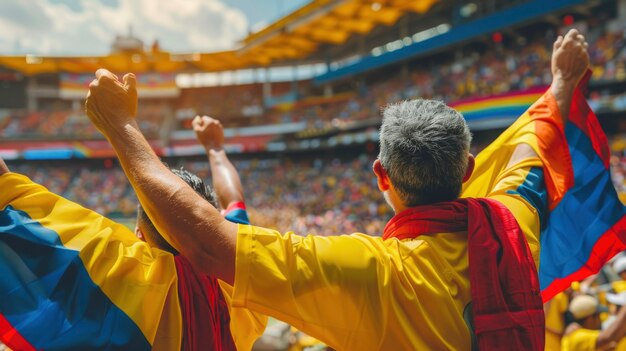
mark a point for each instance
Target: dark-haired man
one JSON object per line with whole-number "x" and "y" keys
{"x": 227, "y": 194}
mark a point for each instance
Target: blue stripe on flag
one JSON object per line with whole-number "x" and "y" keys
{"x": 48, "y": 296}
{"x": 587, "y": 211}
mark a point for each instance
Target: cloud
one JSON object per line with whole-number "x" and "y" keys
{"x": 89, "y": 27}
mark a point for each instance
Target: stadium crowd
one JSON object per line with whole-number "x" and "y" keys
{"x": 502, "y": 67}
{"x": 73, "y": 124}
{"x": 325, "y": 196}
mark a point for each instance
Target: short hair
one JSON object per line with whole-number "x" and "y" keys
{"x": 423, "y": 148}
{"x": 196, "y": 184}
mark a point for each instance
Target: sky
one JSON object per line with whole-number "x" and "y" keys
{"x": 88, "y": 27}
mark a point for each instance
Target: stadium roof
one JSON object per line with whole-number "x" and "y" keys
{"x": 292, "y": 38}
{"x": 515, "y": 15}
{"x": 300, "y": 33}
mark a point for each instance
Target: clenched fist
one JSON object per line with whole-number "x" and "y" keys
{"x": 111, "y": 103}
{"x": 570, "y": 59}
{"x": 209, "y": 132}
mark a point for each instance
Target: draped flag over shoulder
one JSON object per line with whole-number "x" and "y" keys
{"x": 72, "y": 279}
{"x": 583, "y": 223}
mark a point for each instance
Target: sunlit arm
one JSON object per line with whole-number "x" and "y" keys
{"x": 226, "y": 181}
{"x": 210, "y": 133}
{"x": 191, "y": 224}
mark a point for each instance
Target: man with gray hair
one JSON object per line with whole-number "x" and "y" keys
{"x": 416, "y": 288}
{"x": 424, "y": 147}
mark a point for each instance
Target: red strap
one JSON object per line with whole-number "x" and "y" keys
{"x": 506, "y": 302}
{"x": 204, "y": 311}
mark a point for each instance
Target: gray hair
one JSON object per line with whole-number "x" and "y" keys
{"x": 423, "y": 148}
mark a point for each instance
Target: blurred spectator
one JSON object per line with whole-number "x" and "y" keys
{"x": 583, "y": 334}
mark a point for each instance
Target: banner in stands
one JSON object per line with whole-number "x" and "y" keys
{"x": 497, "y": 111}
{"x": 63, "y": 150}
{"x": 149, "y": 85}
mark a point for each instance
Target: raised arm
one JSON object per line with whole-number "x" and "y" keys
{"x": 226, "y": 182}
{"x": 194, "y": 227}
{"x": 570, "y": 61}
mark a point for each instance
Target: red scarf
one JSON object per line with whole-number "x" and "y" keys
{"x": 206, "y": 321}
{"x": 506, "y": 301}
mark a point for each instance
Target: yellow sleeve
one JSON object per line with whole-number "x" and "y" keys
{"x": 322, "y": 285}
{"x": 521, "y": 189}
{"x": 352, "y": 292}
{"x": 245, "y": 326}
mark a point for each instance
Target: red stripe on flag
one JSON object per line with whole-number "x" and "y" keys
{"x": 581, "y": 115}
{"x": 612, "y": 242}
{"x": 12, "y": 338}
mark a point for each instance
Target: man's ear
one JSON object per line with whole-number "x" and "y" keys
{"x": 381, "y": 176}
{"x": 471, "y": 163}
{"x": 3, "y": 167}
{"x": 139, "y": 234}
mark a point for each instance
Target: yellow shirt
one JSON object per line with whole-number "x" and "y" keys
{"x": 555, "y": 322}
{"x": 245, "y": 325}
{"x": 580, "y": 340}
{"x": 357, "y": 292}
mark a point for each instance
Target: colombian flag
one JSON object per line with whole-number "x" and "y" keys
{"x": 71, "y": 279}
{"x": 583, "y": 223}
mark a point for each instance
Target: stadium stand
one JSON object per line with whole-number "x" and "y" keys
{"x": 498, "y": 69}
